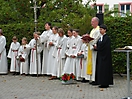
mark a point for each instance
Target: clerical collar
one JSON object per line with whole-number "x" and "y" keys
{"x": 103, "y": 34}
{"x": 101, "y": 37}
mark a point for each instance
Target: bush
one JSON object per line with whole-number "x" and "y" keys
{"x": 120, "y": 32}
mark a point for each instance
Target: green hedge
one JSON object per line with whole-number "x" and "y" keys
{"x": 120, "y": 32}
{"x": 19, "y": 30}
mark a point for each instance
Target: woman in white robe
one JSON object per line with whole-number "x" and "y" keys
{"x": 12, "y": 54}
{"x": 51, "y": 67}
{"x": 3, "y": 57}
{"x": 59, "y": 52}
{"x": 23, "y": 52}
{"x": 33, "y": 60}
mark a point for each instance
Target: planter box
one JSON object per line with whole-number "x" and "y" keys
{"x": 67, "y": 82}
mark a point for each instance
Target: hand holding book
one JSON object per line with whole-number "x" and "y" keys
{"x": 87, "y": 38}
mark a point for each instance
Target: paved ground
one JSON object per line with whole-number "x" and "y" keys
{"x": 27, "y": 87}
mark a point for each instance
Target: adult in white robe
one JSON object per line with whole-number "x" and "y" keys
{"x": 3, "y": 57}
{"x": 24, "y": 52}
{"x": 12, "y": 54}
{"x": 92, "y": 54}
{"x": 59, "y": 52}
{"x": 33, "y": 60}
{"x": 51, "y": 68}
{"x": 43, "y": 39}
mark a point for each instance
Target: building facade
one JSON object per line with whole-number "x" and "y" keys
{"x": 123, "y": 7}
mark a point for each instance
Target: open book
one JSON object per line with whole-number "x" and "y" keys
{"x": 126, "y": 48}
{"x": 87, "y": 38}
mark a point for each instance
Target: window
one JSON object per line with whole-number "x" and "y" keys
{"x": 116, "y": 8}
{"x": 125, "y": 8}
{"x": 122, "y": 7}
{"x": 128, "y": 7}
{"x": 106, "y": 8}
{"x": 100, "y": 9}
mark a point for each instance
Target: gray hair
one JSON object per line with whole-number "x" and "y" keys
{"x": 96, "y": 18}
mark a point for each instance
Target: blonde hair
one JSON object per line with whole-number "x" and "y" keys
{"x": 14, "y": 38}
{"x": 37, "y": 33}
{"x": 25, "y": 39}
{"x": 60, "y": 30}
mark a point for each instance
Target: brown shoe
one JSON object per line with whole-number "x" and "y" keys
{"x": 53, "y": 77}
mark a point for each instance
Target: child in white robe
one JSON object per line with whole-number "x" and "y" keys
{"x": 34, "y": 66}
{"x": 23, "y": 53}
{"x": 82, "y": 55}
{"x": 69, "y": 63}
{"x": 76, "y": 48}
{"x": 12, "y": 54}
{"x": 59, "y": 52}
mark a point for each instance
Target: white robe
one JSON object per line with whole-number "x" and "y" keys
{"x": 51, "y": 67}
{"x": 13, "y": 53}
{"x": 77, "y": 44}
{"x": 24, "y": 66}
{"x": 43, "y": 39}
{"x": 3, "y": 57}
{"x": 33, "y": 64}
{"x": 59, "y": 54}
{"x": 95, "y": 33}
{"x": 82, "y": 62}
{"x": 69, "y": 66}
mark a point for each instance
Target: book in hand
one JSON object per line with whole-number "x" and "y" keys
{"x": 125, "y": 48}
{"x": 87, "y": 38}
{"x": 80, "y": 56}
{"x": 22, "y": 59}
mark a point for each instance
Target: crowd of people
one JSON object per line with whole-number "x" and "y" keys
{"x": 89, "y": 61}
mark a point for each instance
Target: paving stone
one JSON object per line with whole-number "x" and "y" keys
{"x": 28, "y": 87}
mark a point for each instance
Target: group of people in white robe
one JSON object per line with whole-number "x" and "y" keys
{"x": 61, "y": 54}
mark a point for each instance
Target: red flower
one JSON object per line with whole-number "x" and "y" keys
{"x": 67, "y": 77}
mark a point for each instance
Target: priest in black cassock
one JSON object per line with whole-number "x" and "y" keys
{"x": 104, "y": 71}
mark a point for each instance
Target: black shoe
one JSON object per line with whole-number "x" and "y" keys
{"x": 34, "y": 75}
{"x": 93, "y": 83}
{"x": 84, "y": 81}
{"x": 14, "y": 74}
{"x": 26, "y": 74}
{"x": 17, "y": 73}
{"x": 103, "y": 86}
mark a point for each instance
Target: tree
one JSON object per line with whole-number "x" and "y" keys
{"x": 67, "y": 14}
{"x": 63, "y": 13}
{"x": 15, "y": 11}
